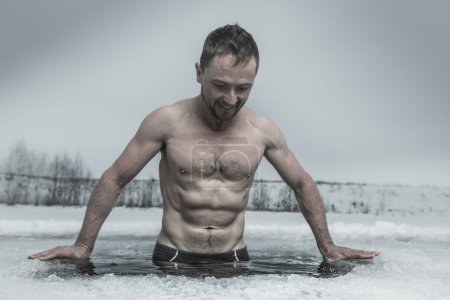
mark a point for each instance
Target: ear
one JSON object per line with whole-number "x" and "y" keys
{"x": 198, "y": 72}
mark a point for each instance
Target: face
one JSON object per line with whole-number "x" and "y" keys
{"x": 225, "y": 87}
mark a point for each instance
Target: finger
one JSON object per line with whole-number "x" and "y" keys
{"x": 37, "y": 255}
{"x": 47, "y": 255}
{"x": 362, "y": 254}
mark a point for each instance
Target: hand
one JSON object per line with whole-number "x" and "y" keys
{"x": 76, "y": 251}
{"x": 336, "y": 252}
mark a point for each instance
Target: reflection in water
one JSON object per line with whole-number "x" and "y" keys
{"x": 262, "y": 265}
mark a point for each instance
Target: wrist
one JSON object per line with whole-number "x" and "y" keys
{"x": 325, "y": 248}
{"x": 86, "y": 248}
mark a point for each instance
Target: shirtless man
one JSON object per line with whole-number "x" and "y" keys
{"x": 211, "y": 146}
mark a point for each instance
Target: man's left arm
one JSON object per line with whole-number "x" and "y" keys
{"x": 308, "y": 197}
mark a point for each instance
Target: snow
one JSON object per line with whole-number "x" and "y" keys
{"x": 413, "y": 264}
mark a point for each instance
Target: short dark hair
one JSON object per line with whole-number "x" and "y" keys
{"x": 229, "y": 39}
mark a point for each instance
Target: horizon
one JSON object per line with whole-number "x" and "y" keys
{"x": 317, "y": 181}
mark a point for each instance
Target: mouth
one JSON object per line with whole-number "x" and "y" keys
{"x": 224, "y": 106}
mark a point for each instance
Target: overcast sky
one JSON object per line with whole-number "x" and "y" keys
{"x": 360, "y": 89}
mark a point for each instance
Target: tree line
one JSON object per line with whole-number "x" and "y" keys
{"x": 29, "y": 177}
{"x": 65, "y": 176}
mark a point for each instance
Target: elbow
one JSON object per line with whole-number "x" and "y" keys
{"x": 302, "y": 184}
{"x": 110, "y": 179}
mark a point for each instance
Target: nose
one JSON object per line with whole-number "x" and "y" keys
{"x": 231, "y": 98}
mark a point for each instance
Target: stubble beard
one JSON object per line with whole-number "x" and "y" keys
{"x": 215, "y": 109}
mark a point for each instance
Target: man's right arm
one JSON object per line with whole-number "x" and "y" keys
{"x": 310, "y": 202}
{"x": 148, "y": 141}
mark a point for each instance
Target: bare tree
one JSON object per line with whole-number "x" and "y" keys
{"x": 79, "y": 176}
{"x": 18, "y": 162}
{"x": 69, "y": 176}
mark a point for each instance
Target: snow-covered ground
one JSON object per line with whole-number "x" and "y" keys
{"x": 413, "y": 264}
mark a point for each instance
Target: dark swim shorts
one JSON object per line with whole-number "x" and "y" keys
{"x": 163, "y": 253}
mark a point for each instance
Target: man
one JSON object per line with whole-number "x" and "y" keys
{"x": 211, "y": 146}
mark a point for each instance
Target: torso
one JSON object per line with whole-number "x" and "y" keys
{"x": 206, "y": 177}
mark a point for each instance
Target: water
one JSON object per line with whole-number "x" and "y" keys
{"x": 285, "y": 263}
{"x": 132, "y": 257}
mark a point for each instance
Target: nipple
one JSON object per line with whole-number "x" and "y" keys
{"x": 183, "y": 171}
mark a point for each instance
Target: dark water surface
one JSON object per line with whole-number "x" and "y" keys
{"x": 101, "y": 265}
{"x": 112, "y": 257}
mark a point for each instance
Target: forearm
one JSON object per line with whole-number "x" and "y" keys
{"x": 311, "y": 205}
{"x": 99, "y": 206}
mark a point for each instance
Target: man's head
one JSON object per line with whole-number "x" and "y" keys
{"x": 229, "y": 40}
{"x": 227, "y": 70}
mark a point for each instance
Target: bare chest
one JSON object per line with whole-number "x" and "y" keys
{"x": 225, "y": 158}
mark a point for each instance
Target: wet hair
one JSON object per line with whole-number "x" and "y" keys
{"x": 229, "y": 39}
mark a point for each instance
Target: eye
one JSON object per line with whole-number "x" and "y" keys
{"x": 219, "y": 86}
{"x": 243, "y": 88}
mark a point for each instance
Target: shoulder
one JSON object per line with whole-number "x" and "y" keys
{"x": 161, "y": 120}
{"x": 167, "y": 113}
{"x": 269, "y": 132}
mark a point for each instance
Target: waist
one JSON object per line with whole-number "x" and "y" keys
{"x": 163, "y": 253}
